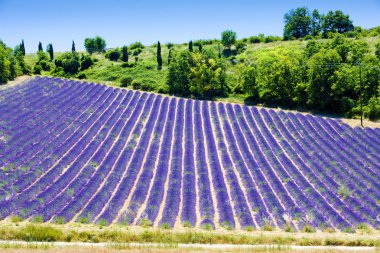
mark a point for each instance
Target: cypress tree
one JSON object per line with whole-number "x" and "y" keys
{"x": 219, "y": 54}
{"x": 191, "y": 46}
{"x": 73, "y": 47}
{"x": 200, "y": 47}
{"x": 40, "y": 46}
{"x": 22, "y": 47}
{"x": 124, "y": 56}
{"x": 170, "y": 56}
{"x": 50, "y": 50}
{"x": 159, "y": 58}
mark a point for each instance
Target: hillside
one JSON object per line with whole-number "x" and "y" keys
{"x": 77, "y": 151}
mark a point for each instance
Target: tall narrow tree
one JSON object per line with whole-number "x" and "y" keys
{"x": 191, "y": 46}
{"x": 50, "y": 50}
{"x": 22, "y": 47}
{"x": 159, "y": 58}
{"x": 200, "y": 47}
{"x": 40, "y": 46}
{"x": 170, "y": 56}
{"x": 73, "y": 47}
{"x": 124, "y": 56}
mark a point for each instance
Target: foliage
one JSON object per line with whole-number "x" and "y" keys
{"x": 124, "y": 54}
{"x": 68, "y": 62}
{"x": 12, "y": 63}
{"x": 336, "y": 21}
{"x": 377, "y": 50}
{"x": 136, "y": 45}
{"x": 197, "y": 74}
{"x": 228, "y": 38}
{"x": 73, "y": 47}
{"x": 40, "y": 47}
{"x": 86, "y": 62}
{"x": 159, "y": 57}
{"x": 191, "y": 46}
{"x": 50, "y": 50}
{"x": 97, "y": 44}
{"x": 297, "y": 23}
{"x": 113, "y": 55}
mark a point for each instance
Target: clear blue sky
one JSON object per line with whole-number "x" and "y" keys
{"x": 122, "y": 22}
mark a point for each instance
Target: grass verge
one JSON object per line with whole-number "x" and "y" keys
{"x": 30, "y": 232}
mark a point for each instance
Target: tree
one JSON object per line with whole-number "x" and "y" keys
{"x": 322, "y": 67}
{"x": 89, "y": 44}
{"x": 191, "y": 46}
{"x": 170, "y": 56}
{"x": 336, "y": 21}
{"x": 22, "y": 47}
{"x": 249, "y": 81}
{"x": 73, "y": 47}
{"x": 377, "y": 50}
{"x": 179, "y": 74}
{"x": 124, "y": 54}
{"x": 159, "y": 57}
{"x": 200, "y": 47}
{"x": 50, "y": 50}
{"x": 316, "y": 22}
{"x": 100, "y": 44}
{"x": 297, "y": 23}
{"x": 40, "y": 46}
{"x": 201, "y": 75}
{"x": 68, "y": 62}
{"x": 228, "y": 38}
{"x": 97, "y": 44}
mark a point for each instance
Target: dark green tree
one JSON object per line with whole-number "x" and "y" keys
{"x": 40, "y": 46}
{"x": 22, "y": 47}
{"x": 124, "y": 54}
{"x": 228, "y": 38}
{"x": 159, "y": 57}
{"x": 191, "y": 46}
{"x": 200, "y": 47}
{"x": 297, "y": 23}
{"x": 50, "y": 50}
{"x": 179, "y": 74}
{"x": 73, "y": 47}
{"x": 97, "y": 44}
{"x": 336, "y": 21}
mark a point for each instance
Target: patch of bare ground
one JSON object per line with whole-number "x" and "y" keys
{"x": 18, "y": 81}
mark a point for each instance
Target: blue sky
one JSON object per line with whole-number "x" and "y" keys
{"x": 122, "y": 22}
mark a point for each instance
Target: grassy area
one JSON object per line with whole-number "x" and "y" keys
{"x": 30, "y": 232}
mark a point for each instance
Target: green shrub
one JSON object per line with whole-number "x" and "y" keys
{"x": 86, "y": 62}
{"x": 136, "y": 45}
{"x": 38, "y": 219}
{"x": 308, "y": 229}
{"x": 102, "y": 223}
{"x": 16, "y": 218}
{"x": 113, "y": 55}
{"x": 145, "y": 223}
{"x": 59, "y": 220}
{"x": 81, "y": 76}
{"x": 126, "y": 81}
{"x": 127, "y": 65}
{"x": 187, "y": 224}
{"x": 165, "y": 225}
{"x": 37, "y": 70}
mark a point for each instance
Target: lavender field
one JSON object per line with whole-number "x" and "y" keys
{"x": 76, "y": 151}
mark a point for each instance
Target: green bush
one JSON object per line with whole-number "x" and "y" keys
{"x": 126, "y": 81}
{"x": 86, "y": 62}
{"x": 113, "y": 55}
{"x": 37, "y": 70}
